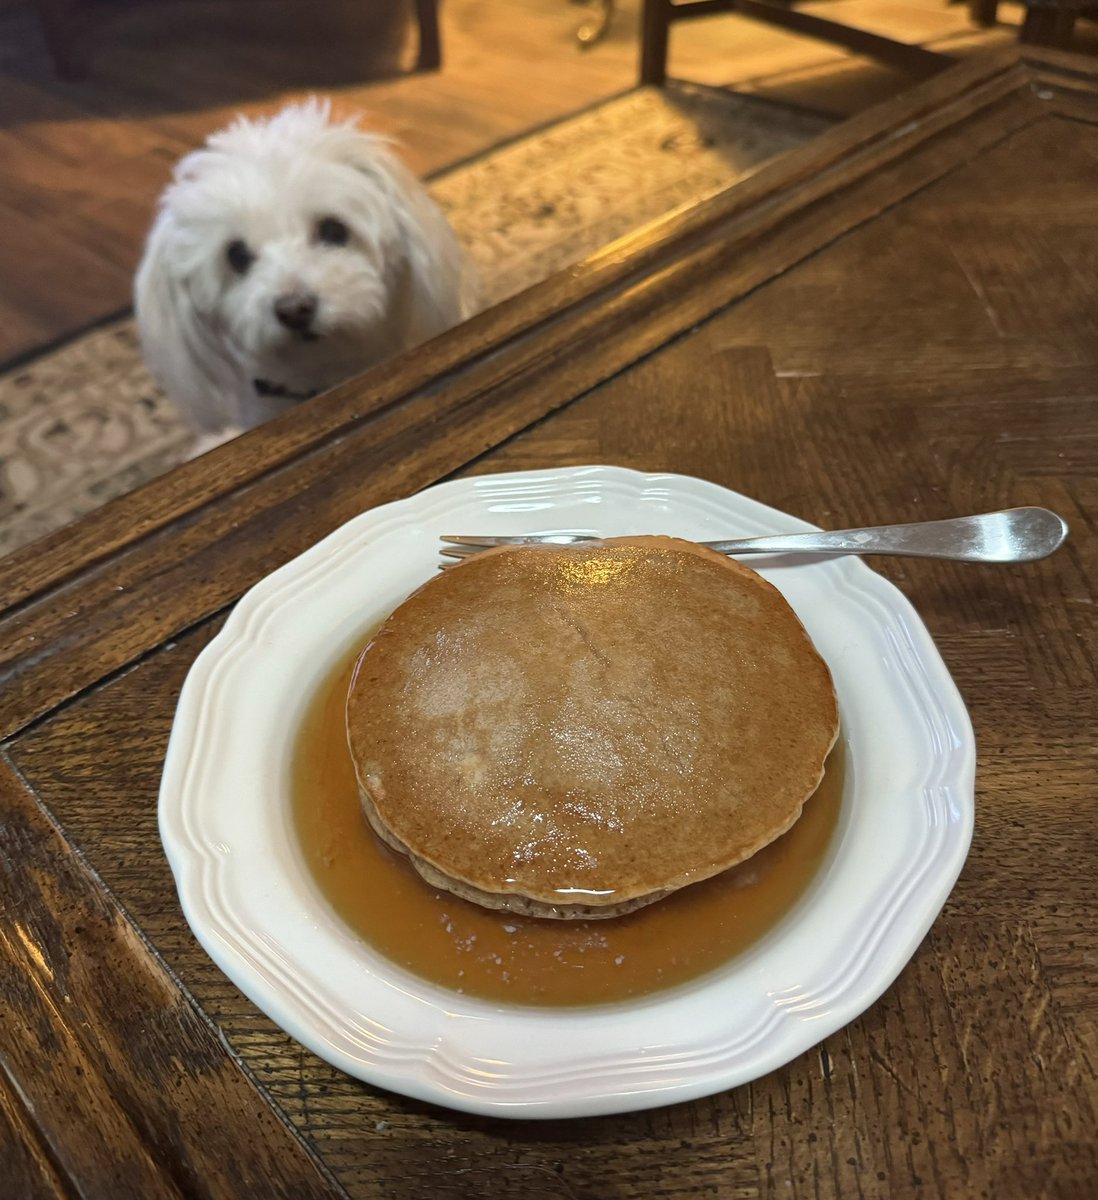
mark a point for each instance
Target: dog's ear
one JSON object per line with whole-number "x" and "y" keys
{"x": 182, "y": 352}
{"x": 442, "y": 280}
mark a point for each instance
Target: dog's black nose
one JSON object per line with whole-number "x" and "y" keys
{"x": 296, "y": 310}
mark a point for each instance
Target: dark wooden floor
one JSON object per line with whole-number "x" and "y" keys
{"x": 82, "y": 163}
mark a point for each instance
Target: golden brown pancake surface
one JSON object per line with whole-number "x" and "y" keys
{"x": 580, "y": 730}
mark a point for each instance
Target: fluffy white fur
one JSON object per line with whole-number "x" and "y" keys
{"x": 210, "y": 331}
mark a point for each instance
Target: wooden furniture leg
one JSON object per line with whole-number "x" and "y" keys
{"x": 655, "y": 23}
{"x": 57, "y": 20}
{"x": 430, "y": 45}
{"x": 1048, "y": 25}
{"x": 984, "y": 12}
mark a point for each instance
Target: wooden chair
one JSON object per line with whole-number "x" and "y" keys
{"x": 658, "y": 15}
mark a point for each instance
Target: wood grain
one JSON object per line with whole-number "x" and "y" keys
{"x": 28, "y": 1171}
{"x": 127, "y": 1088}
{"x": 897, "y": 325}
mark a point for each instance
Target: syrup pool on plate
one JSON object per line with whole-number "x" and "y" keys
{"x": 528, "y": 960}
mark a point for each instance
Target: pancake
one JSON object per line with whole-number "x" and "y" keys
{"x": 577, "y": 731}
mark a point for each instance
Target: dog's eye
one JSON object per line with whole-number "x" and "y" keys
{"x": 239, "y": 256}
{"x": 332, "y": 232}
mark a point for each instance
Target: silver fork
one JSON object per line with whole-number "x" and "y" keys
{"x": 1011, "y": 535}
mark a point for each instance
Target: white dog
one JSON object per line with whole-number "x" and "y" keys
{"x": 289, "y": 254}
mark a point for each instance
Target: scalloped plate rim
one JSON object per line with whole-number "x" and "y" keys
{"x": 857, "y": 993}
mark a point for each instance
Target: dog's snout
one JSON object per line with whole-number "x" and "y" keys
{"x": 296, "y": 310}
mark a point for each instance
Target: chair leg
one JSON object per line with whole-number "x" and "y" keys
{"x": 1064, "y": 27}
{"x": 655, "y": 24}
{"x": 1045, "y": 26}
{"x": 984, "y": 12}
{"x": 430, "y": 45}
{"x": 56, "y": 19}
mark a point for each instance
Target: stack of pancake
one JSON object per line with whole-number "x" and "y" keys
{"x": 578, "y": 731}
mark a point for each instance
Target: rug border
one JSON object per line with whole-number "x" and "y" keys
{"x": 26, "y": 358}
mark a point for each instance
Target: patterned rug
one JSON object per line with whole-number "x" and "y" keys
{"x": 84, "y": 422}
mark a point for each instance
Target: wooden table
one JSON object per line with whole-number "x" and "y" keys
{"x": 899, "y": 321}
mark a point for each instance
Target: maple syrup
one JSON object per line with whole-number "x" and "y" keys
{"x": 528, "y": 960}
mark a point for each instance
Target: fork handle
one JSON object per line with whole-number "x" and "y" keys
{"x": 1012, "y": 535}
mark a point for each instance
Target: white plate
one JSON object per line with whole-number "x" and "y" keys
{"x": 904, "y": 829}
